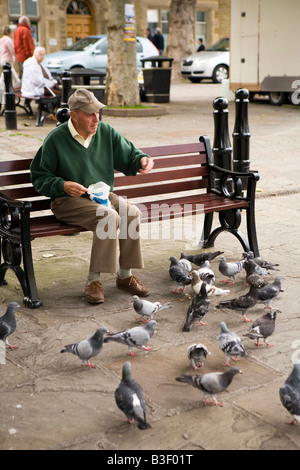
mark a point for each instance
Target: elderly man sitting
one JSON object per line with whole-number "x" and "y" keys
{"x": 37, "y": 79}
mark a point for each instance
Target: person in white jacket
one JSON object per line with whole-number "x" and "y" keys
{"x": 37, "y": 79}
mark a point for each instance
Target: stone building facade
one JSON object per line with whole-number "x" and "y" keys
{"x": 58, "y": 23}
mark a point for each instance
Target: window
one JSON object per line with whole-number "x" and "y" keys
{"x": 200, "y": 26}
{"x": 152, "y": 19}
{"x": 78, "y": 7}
{"x": 23, "y": 7}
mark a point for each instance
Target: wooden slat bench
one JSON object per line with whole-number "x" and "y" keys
{"x": 46, "y": 105}
{"x": 184, "y": 179}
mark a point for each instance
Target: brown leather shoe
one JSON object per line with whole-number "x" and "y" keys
{"x": 133, "y": 285}
{"x": 94, "y": 292}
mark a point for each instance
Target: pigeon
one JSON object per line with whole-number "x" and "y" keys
{"x": 129, "y": 397}
{"x": 230, "y": 269}
{"x": 136, "y": 337}
{"x": 148, "y": 309}
{"x": 257, "y": 268}
{"x": 210, "y": 288}
{"x": 179, "y": 273}
{"x": 241, "y": 303}
{"x": 211, "y": 383}
{"x": 186, "y": 263}
{"x": 267, "y": 293}
{"x": 206, "y": 273}
{"x": 197, "y": 309}
{"x": 8, "y": 324}
{"x": 197, "y": 354}
{"x": 231, "y": 344}
{"x": 263, "y": 327}
{"x": 200, "y": 258}
{"x": 289, "y": 393}
{"x": 253, "y": 275}
{"x": 262, "y": 263}
{"x": 87, "y": 348}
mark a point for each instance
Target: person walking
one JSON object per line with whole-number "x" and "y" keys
{"x": 23, "y": 42}
{"x": 158, "y": 41}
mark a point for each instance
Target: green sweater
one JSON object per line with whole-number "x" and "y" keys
{"x": 61, "y": 158}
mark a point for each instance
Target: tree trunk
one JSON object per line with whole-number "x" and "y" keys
{"x": 181, "y": 40}
{"x": 122, "y": 86}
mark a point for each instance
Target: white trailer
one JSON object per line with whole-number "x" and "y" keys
{"x": 264, "y": 48}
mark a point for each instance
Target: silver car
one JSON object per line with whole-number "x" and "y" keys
{"x": 91, "y": 52}
{"x": 213, "y": 63}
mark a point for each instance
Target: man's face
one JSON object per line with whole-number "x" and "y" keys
{"x": 84, "y": 123}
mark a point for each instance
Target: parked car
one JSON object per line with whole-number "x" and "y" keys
{"x": 213, "y": 63}
{"x": 91, "y": 52}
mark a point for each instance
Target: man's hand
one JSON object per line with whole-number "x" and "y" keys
{"x": 147, "y": 164}
{"x": 74, "y": 189}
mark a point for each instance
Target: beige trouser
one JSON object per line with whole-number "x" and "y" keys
{"x": 120, "y": 223}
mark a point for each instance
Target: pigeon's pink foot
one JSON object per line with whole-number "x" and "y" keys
{"x": 147, "y": 348}
{"x": 246, "y": 319}
{"x": 218, "y": 403}
{"x": 291, "y": 422}
{"x": 12, "y": 346}
{"x": 268, "y": 344}
{"x": 235, "y": 359}
{"x": 90, "y": 366}
{"x": 258, "y": 343}
{"x": 132, "y": 354}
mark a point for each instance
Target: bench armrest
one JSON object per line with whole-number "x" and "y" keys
{"x": 228, "y": 183}
{"x": 14, "y": 218}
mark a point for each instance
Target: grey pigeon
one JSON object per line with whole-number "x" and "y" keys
{"x": 262, "y": 263}
{"x": 289, "y": 393}
{"x": 198, "y": 307}
{"x": 253, "y": 275}
{"x": 148, "y": 309}
{"x": 206, "y": 273}
{"x": 231, "y": 344}
{"x": 263, "y": 327}
{"x": 230, "y": 269}
{"x": 179, "y": 274}
{"x": 136, "y": 337}
{"x": 200, "y": 258}
{"x": 88, "y": 348}
{"x": 8, "y": 324}
{"x": 258, "y": 269}
{"x": 211, "y": 383}
{"x": 186, "y": 263}
{"x": 241, "y": 303}
{"x": 197, "y": 354}
{"x": 129, "y": 397}
{"x": 267, "y": 293}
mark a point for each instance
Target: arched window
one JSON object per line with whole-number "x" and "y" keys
{"x": 77, "y": 7}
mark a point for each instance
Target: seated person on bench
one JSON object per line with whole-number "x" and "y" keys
{"x": 81, "y": 152}
{"x": 37, "y": 79}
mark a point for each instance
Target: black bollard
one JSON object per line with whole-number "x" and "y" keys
{"x": 10, "y": 107}
{"x": 62, "y": 115}
{"x": 66, "y": 89}
{"x": 221, "y": 147}
{"x": 241, "y": 134}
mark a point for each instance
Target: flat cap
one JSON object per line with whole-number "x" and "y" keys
{"x": 85, "y": 100}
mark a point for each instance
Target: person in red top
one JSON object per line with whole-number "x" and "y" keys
{"x": 23, "y": 42}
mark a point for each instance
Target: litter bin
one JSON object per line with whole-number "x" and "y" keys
{"x": 157, "y": 79}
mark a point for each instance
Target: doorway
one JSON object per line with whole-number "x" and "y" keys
{"x": 80, "y": 21}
